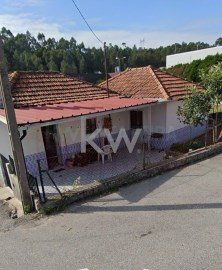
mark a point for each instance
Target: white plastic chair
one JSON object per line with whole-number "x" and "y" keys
{"x": 107, "y": 151}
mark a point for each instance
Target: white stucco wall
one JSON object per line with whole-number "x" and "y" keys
{"x": 188, "y": 57}
{"x": 69, "y": 133}
{"x": 158, "y": 118}
{"x": 161, "y": 118}
{"x": 154, "y": 120}
{"x": 33, "y": 142}
{"x": 172, "y": 121}
{"x": 72, "y": 130}
{"x": 5, "y": 145}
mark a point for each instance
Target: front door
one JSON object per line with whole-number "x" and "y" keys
{"x": 49, "y": 134}
{"x": 136, "y": 119}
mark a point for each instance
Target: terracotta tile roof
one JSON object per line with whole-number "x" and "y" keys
{"x": 147, "y": 82}
{"x": 40, "y": 88}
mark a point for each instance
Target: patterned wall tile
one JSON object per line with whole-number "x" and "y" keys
{"x": 31, "y": 163}
{"x": 177, "y": 136}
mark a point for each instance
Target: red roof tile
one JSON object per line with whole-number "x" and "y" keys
{"x": 147, "y": 82}
{"x": 36, "y": 114}
{"x": 40, "y": 88}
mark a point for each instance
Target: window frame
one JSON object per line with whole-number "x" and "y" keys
{"x": 136, "y": 120}
{"x": 91, "y": 125}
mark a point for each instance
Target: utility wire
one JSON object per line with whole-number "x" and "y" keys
{"x": 104, "y": 43}
{"x": 86, "y": 22}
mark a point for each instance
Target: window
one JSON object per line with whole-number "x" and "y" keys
{"x": 90, "y": 125}
{"x": 136, "y": 119}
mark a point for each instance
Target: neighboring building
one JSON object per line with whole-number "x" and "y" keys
{"x": 169, "y": 90}
{"x": 188, "y": 57}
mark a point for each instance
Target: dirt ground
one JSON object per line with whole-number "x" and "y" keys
{"x": 6, "y": 223}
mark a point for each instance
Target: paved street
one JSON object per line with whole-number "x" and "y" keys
{"x": 173, "y": 221}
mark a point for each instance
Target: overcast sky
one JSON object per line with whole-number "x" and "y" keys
{"x": 159, "y": 22}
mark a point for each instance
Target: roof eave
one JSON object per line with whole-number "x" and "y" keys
{"x": 26, "y": 126}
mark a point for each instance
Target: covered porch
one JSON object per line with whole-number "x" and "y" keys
{"x": 68, "y": 179}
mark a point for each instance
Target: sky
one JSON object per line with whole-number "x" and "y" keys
{"x": 146, "y": 23}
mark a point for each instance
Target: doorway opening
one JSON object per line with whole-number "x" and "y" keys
{"x": 50, "y": 139}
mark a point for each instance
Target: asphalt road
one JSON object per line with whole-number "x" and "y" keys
{"x": 173, "y": 221}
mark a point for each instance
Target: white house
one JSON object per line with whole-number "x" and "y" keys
{"x": 50, "y": 108}
{"x": 169, "y": 90}
{"x": 53, "y": 109}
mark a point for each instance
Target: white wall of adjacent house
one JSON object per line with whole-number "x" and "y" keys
{"x": 188, "y": 57}
{"x": 172, "y": 121}
{"x": 158, "y": 118}
{"x": 33, "y": 142}
{"x": 5, "y": 145}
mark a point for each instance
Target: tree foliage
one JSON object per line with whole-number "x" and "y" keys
{"x": 193, "y": 70}
{"x": 195, "y": 107}
{"x": 26, "y": 52}
{"x": 211, "y": 79}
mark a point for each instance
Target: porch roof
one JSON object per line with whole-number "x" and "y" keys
{"x": 46, "y": 113}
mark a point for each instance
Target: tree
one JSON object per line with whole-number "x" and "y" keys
{"x": 218, "y": 42}
{"x": 67, "y": 68}
{"x": 91, "y": 60}
{"x": 195, "y": 109}
{"x": 52, "y": 66}
{"x": 41, "y": 38}
{"x": 212, "y": 82}
{"x": 82, "y": 66}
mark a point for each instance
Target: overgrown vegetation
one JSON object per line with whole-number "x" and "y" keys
{"x": 192, "y": 71}
{"x": 195, "y": 108}
{"x": 197, "y": 105}
{"x": 212, "y": 82}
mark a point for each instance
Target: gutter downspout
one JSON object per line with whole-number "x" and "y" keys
{"x": 24, "y": 133}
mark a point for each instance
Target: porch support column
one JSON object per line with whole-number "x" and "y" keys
{"x": 149, "y": 121}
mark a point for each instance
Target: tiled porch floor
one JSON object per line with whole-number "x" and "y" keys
{"x": 122, "y": 162}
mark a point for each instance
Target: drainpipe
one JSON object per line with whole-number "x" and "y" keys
{"x": 24, "y": 133}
